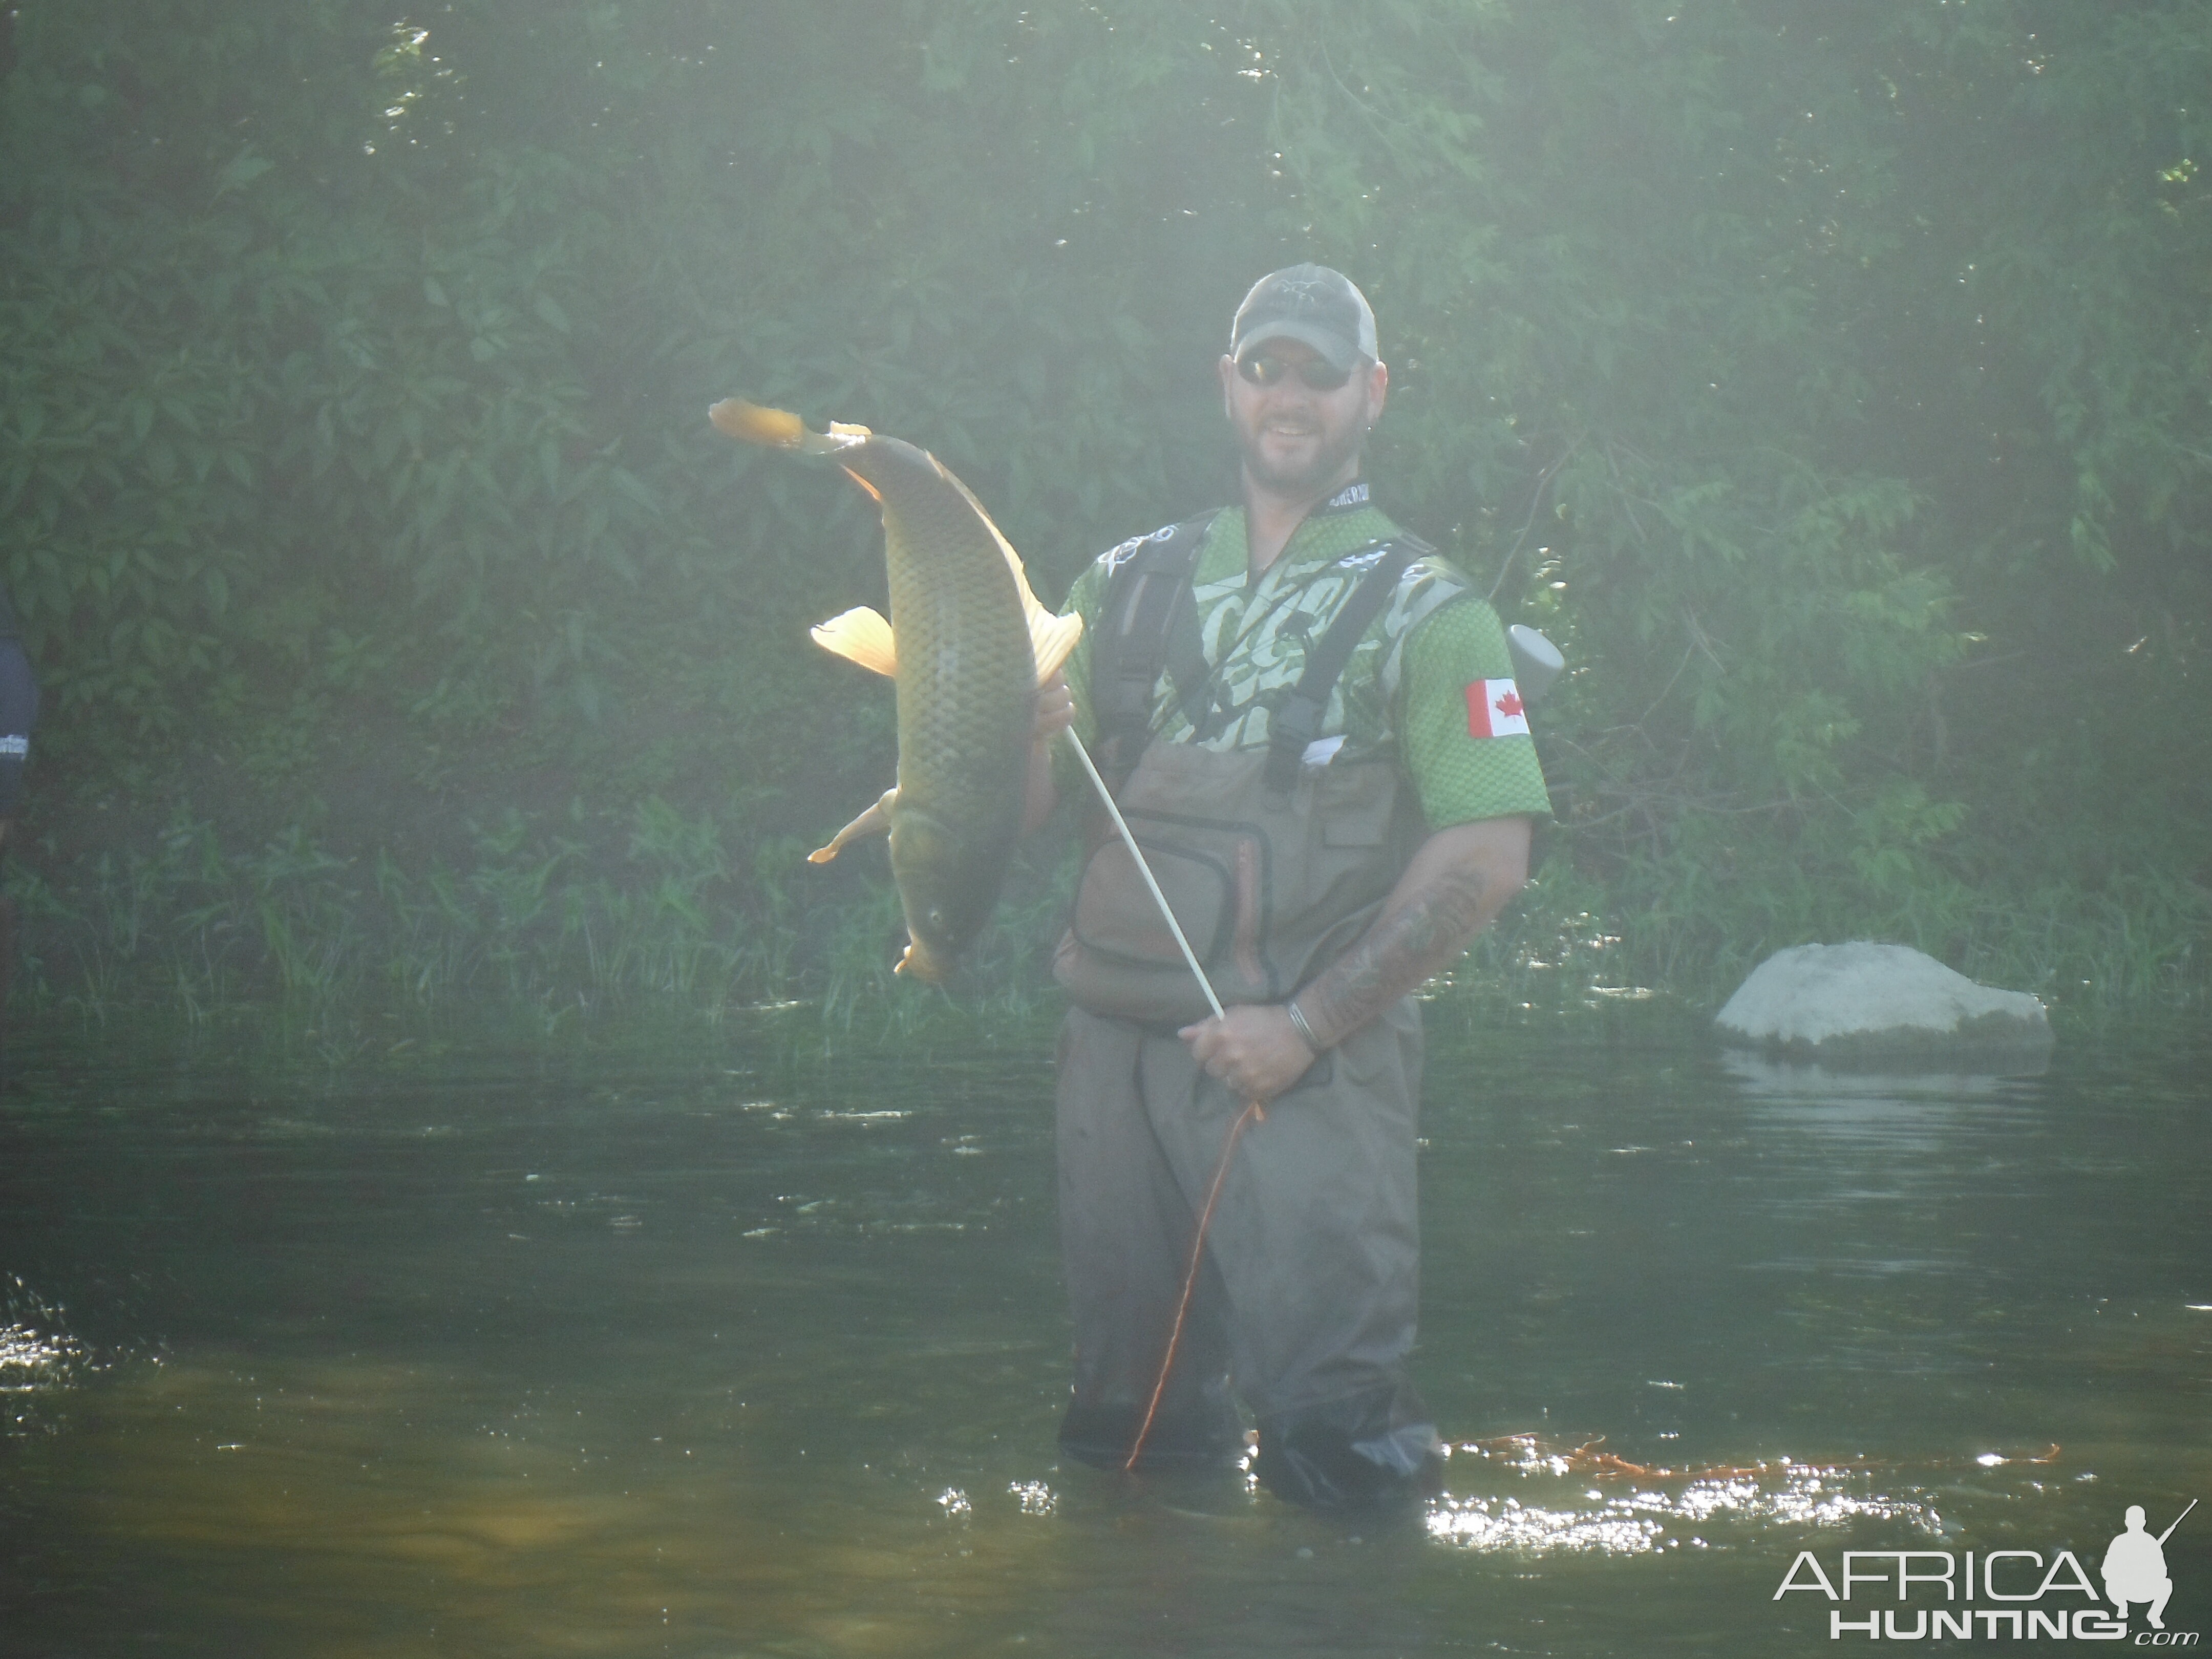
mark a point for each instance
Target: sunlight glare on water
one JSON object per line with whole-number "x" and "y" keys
{"x": 1635, "y": 1523}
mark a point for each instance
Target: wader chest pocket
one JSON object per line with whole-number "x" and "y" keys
{"x": 1362, "y": 819}
{"x": 1267, "y": 891}
{"x": 1213, "y": 890}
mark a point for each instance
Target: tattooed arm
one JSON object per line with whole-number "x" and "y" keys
{"x": 1460, "y": 877}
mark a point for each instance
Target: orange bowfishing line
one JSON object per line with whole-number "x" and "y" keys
{"x": 1251, "y": 1113}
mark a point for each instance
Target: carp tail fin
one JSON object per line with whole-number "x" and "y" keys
{"x": 779, "y": 428}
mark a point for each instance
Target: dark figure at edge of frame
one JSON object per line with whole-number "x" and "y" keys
{"x": 1311, "y": 725}
{"x": 19, "y": 713}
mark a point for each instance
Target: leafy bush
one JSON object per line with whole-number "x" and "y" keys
{"x": 1828, "y": 381}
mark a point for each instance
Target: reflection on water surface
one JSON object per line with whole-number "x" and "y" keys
{"x": 685, "y": 1353}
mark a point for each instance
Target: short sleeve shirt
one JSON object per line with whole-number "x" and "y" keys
{"x": 1419, "y": 688}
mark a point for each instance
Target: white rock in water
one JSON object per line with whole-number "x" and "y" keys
{"x": 1866, "y": 1000}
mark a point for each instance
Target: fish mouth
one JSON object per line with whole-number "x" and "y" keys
{"x": 918, "y": 963}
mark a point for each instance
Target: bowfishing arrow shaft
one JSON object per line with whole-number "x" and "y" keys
{"x": 1145, "y": 870}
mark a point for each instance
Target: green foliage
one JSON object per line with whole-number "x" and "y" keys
{"x": 1828, "y": 381}
{"x": 534, "y": 917}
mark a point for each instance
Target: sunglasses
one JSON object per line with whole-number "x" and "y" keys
{"x": 1316, "y": 374}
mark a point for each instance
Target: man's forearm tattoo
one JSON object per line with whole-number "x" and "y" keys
{"x": 1397, "y": 954}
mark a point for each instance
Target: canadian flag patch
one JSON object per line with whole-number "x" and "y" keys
{"x": 1493, "y": 710}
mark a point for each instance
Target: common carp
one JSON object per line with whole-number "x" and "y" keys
{"x": 967, "y": 645}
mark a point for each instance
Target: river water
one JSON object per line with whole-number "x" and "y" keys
{"x": 675, "y": 1349}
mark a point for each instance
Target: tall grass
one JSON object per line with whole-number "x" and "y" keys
{"x": 536, "y": 919}
{"x": 666, "y": 917}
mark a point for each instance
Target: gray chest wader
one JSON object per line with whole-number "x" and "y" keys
{"x": 1308, "y": 1287}
{"x": 1273, "y": 867}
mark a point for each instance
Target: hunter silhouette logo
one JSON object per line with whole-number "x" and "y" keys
{"x": 2003, "y": 1594}
{"x": 2135, "y": 1566}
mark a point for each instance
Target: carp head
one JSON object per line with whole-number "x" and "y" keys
{"x": 945, "y": 902}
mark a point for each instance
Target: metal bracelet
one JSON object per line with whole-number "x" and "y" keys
{"x": 1298, "y": 1024}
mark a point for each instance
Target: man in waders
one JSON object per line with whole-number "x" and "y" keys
{"x": 1310, "y": 724}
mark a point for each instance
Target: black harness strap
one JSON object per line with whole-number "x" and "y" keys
{"x": 1147, "y": 625}
{"x": 1296, "y": 722}
{"x": 1147, "y": 609}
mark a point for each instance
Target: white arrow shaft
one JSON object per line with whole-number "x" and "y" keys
{"x": 1146, "y": 870}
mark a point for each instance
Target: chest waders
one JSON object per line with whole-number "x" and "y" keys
{"x": 1273, "y": 867}
{"x": 1304, "y": 1292}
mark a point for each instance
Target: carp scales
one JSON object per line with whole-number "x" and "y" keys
{"x": 967, "y": 645}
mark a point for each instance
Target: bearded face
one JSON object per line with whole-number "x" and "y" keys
{"x": 1299, "y": 440}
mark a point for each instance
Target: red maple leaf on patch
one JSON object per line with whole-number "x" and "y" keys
{"x": 1509, "y": 705}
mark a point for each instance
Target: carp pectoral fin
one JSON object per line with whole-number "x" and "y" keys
{"x": 875, "y": 821}
{"x": 861, "y": 636}
{"x": 1051, "y": 638}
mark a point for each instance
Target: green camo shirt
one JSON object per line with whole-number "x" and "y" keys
{"x": 1404, "y": 694}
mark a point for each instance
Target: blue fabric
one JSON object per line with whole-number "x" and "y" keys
{"x": 19, "y": 713}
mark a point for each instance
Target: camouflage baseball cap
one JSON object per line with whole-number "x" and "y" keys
{"x": 1310, "y": 303}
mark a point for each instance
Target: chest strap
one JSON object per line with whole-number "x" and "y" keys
{"x": 1296, "y": 722}
{"x": 1148, "y": 625}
